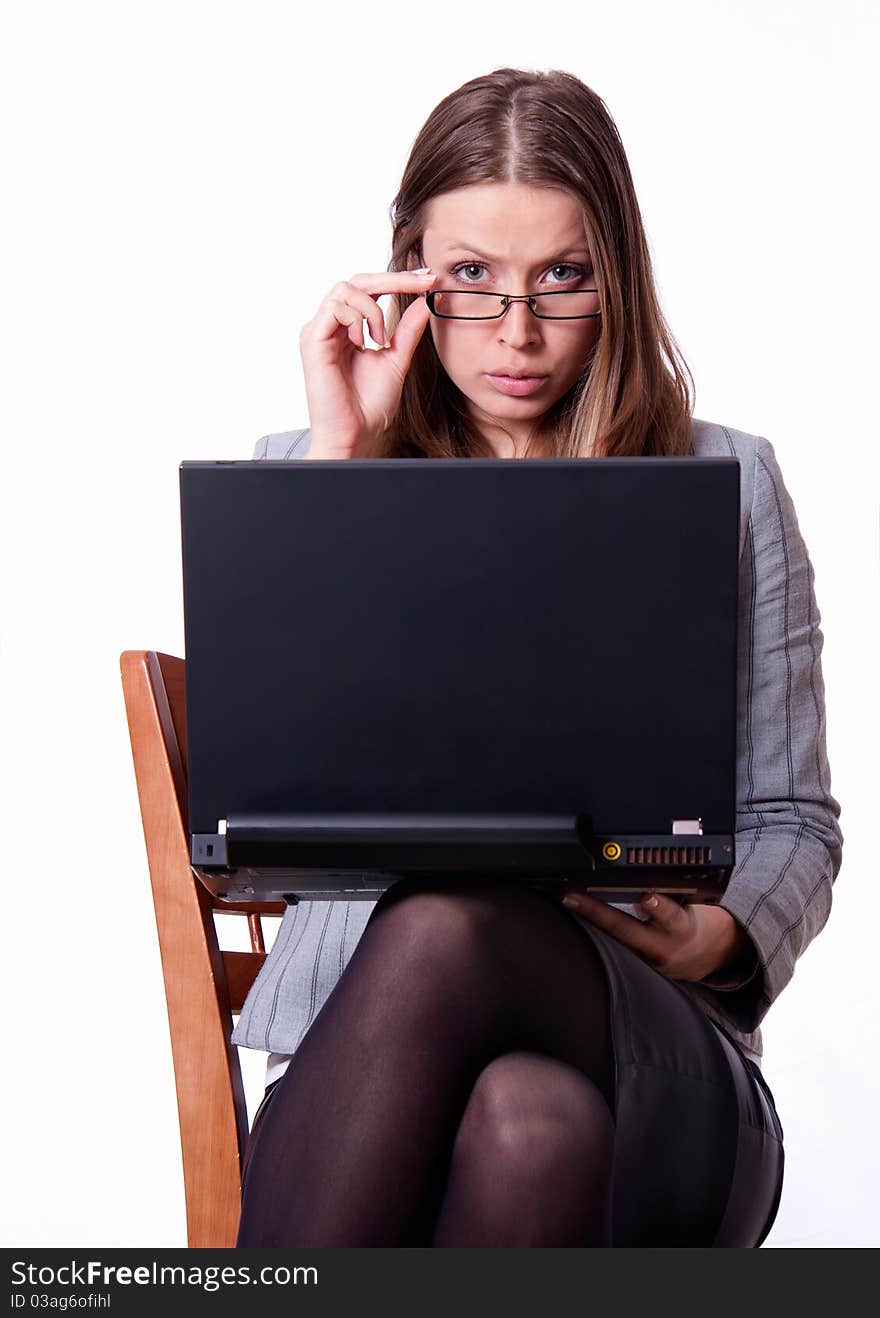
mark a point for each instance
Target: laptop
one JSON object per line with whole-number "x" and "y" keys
{"x": 461, "y": 666}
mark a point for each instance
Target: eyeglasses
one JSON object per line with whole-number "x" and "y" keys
{"x": 468, "y": 304}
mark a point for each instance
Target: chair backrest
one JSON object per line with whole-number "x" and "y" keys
{"x": 203, "y": 985}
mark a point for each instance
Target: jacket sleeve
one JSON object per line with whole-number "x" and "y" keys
{"x": 282, "y": 447}
{"x": 788, "y": 839}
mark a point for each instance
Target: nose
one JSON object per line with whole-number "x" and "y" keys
{"x": 518, "y": 327}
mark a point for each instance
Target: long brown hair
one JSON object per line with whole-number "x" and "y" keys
{"x": 635, "y": 395}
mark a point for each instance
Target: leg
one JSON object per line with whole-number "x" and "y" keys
{"x": 355, "y": 1146}
{"x": 532, "y": 1159}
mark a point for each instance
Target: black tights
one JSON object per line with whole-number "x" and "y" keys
{"x": 456, "y": 1089}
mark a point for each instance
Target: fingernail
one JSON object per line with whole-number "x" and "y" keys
{"x": 425, "y": 273}
{"x": 650, "y": 901}
{"x": 569, "y": 901}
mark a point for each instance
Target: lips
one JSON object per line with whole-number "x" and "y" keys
{"x": 516, "y": 386}
{"x": 517, "y": 375}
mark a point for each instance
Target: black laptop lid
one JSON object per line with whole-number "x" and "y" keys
{"x": 452, "y": 637}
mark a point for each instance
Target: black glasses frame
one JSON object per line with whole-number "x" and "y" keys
{"x": 506, "y": 300}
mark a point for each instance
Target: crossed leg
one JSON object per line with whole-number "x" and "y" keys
{"x": 456, "y": 1088}
{"x": 532, "y": 1159}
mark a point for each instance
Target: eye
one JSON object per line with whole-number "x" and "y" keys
{"x": 579, "y": 272}
{"x": 467, "y": 265}
{"x": 575, "y": 272}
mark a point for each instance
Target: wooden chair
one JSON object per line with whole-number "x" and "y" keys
{"x": 203, "y": 986}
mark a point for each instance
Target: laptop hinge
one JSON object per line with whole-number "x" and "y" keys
{"x": 461, "y": 842}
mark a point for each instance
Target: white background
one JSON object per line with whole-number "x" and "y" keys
{"x": 182, "y": 182}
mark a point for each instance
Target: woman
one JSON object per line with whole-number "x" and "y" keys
{"x": 478, "y": 1067}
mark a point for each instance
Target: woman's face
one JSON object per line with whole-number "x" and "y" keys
{"x": 509, "y": 238}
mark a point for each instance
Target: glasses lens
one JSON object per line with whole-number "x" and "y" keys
{"x": 487, "y": 306}
{"x": 559, "y": 306}
{"x": 468, "y": 306}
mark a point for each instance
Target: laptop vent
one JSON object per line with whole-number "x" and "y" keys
{"x": 669, "y": 855}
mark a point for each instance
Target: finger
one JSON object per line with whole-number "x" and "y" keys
{"x": 413, "y": 282}
{"x": 355, "y": 330}
{"x": 356, "y": 333}
{"x": 626, "y": 928}
{"x": 352, "y": 320}
{"x": 664, "y": 913}
{"x": 343, "y": 304}
{"x": 409, "y": 331}
{"x": 394, "y": 281}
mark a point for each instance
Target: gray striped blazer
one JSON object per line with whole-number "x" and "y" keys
{"x": 788, "y": 839}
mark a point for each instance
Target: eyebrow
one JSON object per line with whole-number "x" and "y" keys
{"x": 574, "y": 250}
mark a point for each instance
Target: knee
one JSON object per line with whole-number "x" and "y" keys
{"x": 531, "y": 1117}
{"x": 437, "y": 926}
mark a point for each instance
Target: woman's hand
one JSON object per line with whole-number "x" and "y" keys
{"x": 681, "y": 942}
{"x": 353, "y": 392}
